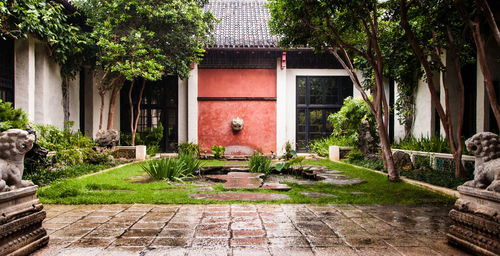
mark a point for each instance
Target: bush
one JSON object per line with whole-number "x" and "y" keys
{"x": 218, "y": 151}
{"x": 321, "y": 147}
{"x": 150, "y": 137}
{"x": 347, "y": 120}
{"x": 259, "y": 163}
{"x": 69, "y": 147}
{"x": 439, "y": 178}
{"x": 46, "y": 177}
{"x": 289, "y": 153}
{"x": 189, "y": 148}
{"x": 355, "y": 155}
{"x": 436, "y": 144}
{"x": 173, "y": 169}
{"x": 11, "y": 118}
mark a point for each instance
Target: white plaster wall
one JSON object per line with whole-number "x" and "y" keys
{"x": 74, "y": 102}
{"x": 288, "y": 93}
{"x": 24, "y": 78}
{"x": 182, "y": 112}
{"x": 424, "y": 111}
{"x": 192, "y": 94}
{"x": 38, "y": 88}
{"x": 281, "y": 108}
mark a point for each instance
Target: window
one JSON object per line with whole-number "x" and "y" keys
{"x": 7, "y": 70}
{"x": 317, "y": 98}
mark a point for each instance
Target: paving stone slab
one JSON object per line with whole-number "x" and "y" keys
{"x": 239, "y": 179}
{"x": 317, "y": 194}
{"x": 276, "y": 186}
{"x": 340, "y": 182}
{"x": 241, "y": 196}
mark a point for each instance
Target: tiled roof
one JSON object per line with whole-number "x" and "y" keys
{"x": 243, "y": 24}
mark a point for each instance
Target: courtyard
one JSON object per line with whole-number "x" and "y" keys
{"x": 247, "y": 229}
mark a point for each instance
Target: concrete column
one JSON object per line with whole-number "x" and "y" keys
{"x": 399, "y": 130}
{"x": 41, "y": 90}
{"x": 192, "y": 93}
{"x": 281, "y": 108}
{"x": 24, "y": 89}
{"x": 482, "y": 103}
{"x": 182, "y": 111}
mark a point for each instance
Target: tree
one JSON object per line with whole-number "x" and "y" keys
{"x": 432, "y": 28}
{"x": 50, "y": 22}
{"x": 350, "y": 30}
{"x": 141, "y": 41}
{"x": 482, "y": 12}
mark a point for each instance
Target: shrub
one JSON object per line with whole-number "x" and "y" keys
{"x": 289, "y": 163}
{"x": 321, "y": 147}
{"x": 355, "y": 155}
{"x": 218, "y": 151}
{"x": 439, "y": 178}
{"x": 173, "y": 169}
{"x": 259, "y": 163}
{"x": 150, "y": 137}
{"x": 69, "y": 147}
{"x": 11, "y": 118}
{"x": 189, "y": 148}
{"x": 289, "y": 152}
{"x": 347, "y": 120}
{"x": 46, "y": 177}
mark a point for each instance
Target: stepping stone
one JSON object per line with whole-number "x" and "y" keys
{"x": 239, "y": 169}
{"x": 307, "y": 182}
{"x": 276, "y": 186}
{"x": 241, "y": 196}
{"x": 340, "y": 182}
{"x": 333, "y": 172}
{"x": 205, "y": 188}
{"x": 317, "y": 194}
{"x": 332, "y": 176}
{"x": 239, "y": 179}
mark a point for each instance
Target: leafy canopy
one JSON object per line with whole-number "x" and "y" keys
{"x": 147, "y": 39}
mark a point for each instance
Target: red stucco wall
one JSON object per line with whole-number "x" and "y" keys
{"x": 259, "y": 117}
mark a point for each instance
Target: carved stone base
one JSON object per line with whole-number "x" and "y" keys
{"x": 476, "y": 221}
{"x": 21, "y": 217}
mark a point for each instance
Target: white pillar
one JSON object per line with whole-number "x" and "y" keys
{"x": 182, "y": 112}
{"x": 281, "y": 110}
{"x": 24, "y": 89}
{"x": 482, "y": 103}
{"x": 192, "y": 92}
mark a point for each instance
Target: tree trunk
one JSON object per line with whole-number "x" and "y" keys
{"x": 112, "y": 104}
{"x": 131, "y": 104}
{"x": 134, "y": 130}
{"x": 101, "y": 113}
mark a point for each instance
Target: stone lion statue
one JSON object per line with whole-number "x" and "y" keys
{"x": 485, "y": 146}
{"x": 14, "y": 143}
{"x": 237, "y": 124}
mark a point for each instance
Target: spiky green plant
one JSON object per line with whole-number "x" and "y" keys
{"x": 259, "y": 163}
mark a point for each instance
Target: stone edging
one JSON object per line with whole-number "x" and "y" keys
{"x": 109, "y": 169}
{"x": 425, "y": 185}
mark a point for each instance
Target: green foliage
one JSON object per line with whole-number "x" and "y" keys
{"x": 260, "y": 163}
{"x": 12, "y": 118}
{"x": 46, "y": 177}
{"x": 173, "y": 169}
{"x": 347, "y": 120}
{"x": 355, "y": 155}
{"x": 218, "y": 151}
{"x": 149, "y": 137}
{"x": 439, "y": 178}
{"x": 47, "y": 20}
{"x": 321, "y": 147}
{"x": 289, "y": 163}
{"x": 70, "y": 147}
{"x": 189, "y": 148}
{"x": 289, "y": 152}
{"x": 436, "y": 144}
{"x": 146, "y": 39}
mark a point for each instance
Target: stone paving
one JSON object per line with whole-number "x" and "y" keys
{"x": 246, "y": 230}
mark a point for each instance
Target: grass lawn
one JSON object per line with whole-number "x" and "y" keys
{"x": 121, "y": 186}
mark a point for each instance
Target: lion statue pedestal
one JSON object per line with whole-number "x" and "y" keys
{"x": 476, "y": 215}
{"x": 21, "y": 213}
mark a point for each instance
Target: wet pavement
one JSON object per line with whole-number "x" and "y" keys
{"x": 247, "y": 230}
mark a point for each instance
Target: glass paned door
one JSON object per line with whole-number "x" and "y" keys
{"x": 317, "y": 98}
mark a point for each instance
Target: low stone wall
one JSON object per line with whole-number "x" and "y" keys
{"x": 438, "y": 161}
{"x": 338, "y": 152}
{"x": 130, "y": 152}
{"x": 21, "y": 216}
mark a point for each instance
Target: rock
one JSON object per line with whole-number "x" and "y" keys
{"x": 36, "y": 158}
{"x": 239, "y": 179}
{"x": 367, "y": 140}
{"x": 402, "y": 161}
{"x": 317, "y": 194}
{"x": 276, "y": 186}
{"x": 107, "y": 138}
{"x": 241, "y": 196}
